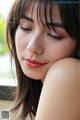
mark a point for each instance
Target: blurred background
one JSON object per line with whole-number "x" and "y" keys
{"x": 7, "y": 81}
{"x": 5, "y": 63}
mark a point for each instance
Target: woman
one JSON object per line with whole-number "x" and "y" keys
{"x": 43, "y": 37}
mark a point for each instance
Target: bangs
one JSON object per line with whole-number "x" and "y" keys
{"x": 43, "y": 8}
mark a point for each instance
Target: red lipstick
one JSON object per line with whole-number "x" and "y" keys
{"x": 33, "y": 63}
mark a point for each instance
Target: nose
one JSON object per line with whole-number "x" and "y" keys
{"x": 35, "y": 44}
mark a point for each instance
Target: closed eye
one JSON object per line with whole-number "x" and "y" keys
{"x": 26, "y": 28}
{"x": 55, "y": 37}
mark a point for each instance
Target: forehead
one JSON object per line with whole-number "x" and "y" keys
{"x": 43, "y": 12}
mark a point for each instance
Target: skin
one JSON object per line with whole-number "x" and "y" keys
{"x": 38, "y": 44}
{"x": 60, "y": 96}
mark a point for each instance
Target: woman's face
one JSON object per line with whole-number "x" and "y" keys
{"x": 39, "y": 47}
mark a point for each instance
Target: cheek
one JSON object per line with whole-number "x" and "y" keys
{"x": 62, "y": 50}
{"x": 20, "y": 42}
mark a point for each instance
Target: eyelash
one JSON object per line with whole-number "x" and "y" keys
{"x": 26, "y": 29}
{"x": 53, "y": 36}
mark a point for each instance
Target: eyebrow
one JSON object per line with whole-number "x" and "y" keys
{"x": 27, "y": 18}
{"x": 60, "y": 25}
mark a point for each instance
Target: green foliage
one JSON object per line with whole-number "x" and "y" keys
{"x": 3, "y": 46}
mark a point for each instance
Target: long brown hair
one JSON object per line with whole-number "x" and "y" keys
{"x": 28, "y": 90}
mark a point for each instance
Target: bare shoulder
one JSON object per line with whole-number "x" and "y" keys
{"x": 59, "y": 98}
{"x": 68, "y": 67}
{"x": 66, "y": 63}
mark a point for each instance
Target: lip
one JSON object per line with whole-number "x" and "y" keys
{"x": 33, "y": 63}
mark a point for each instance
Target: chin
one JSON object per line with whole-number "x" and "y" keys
{"x": 33, "y": 76}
